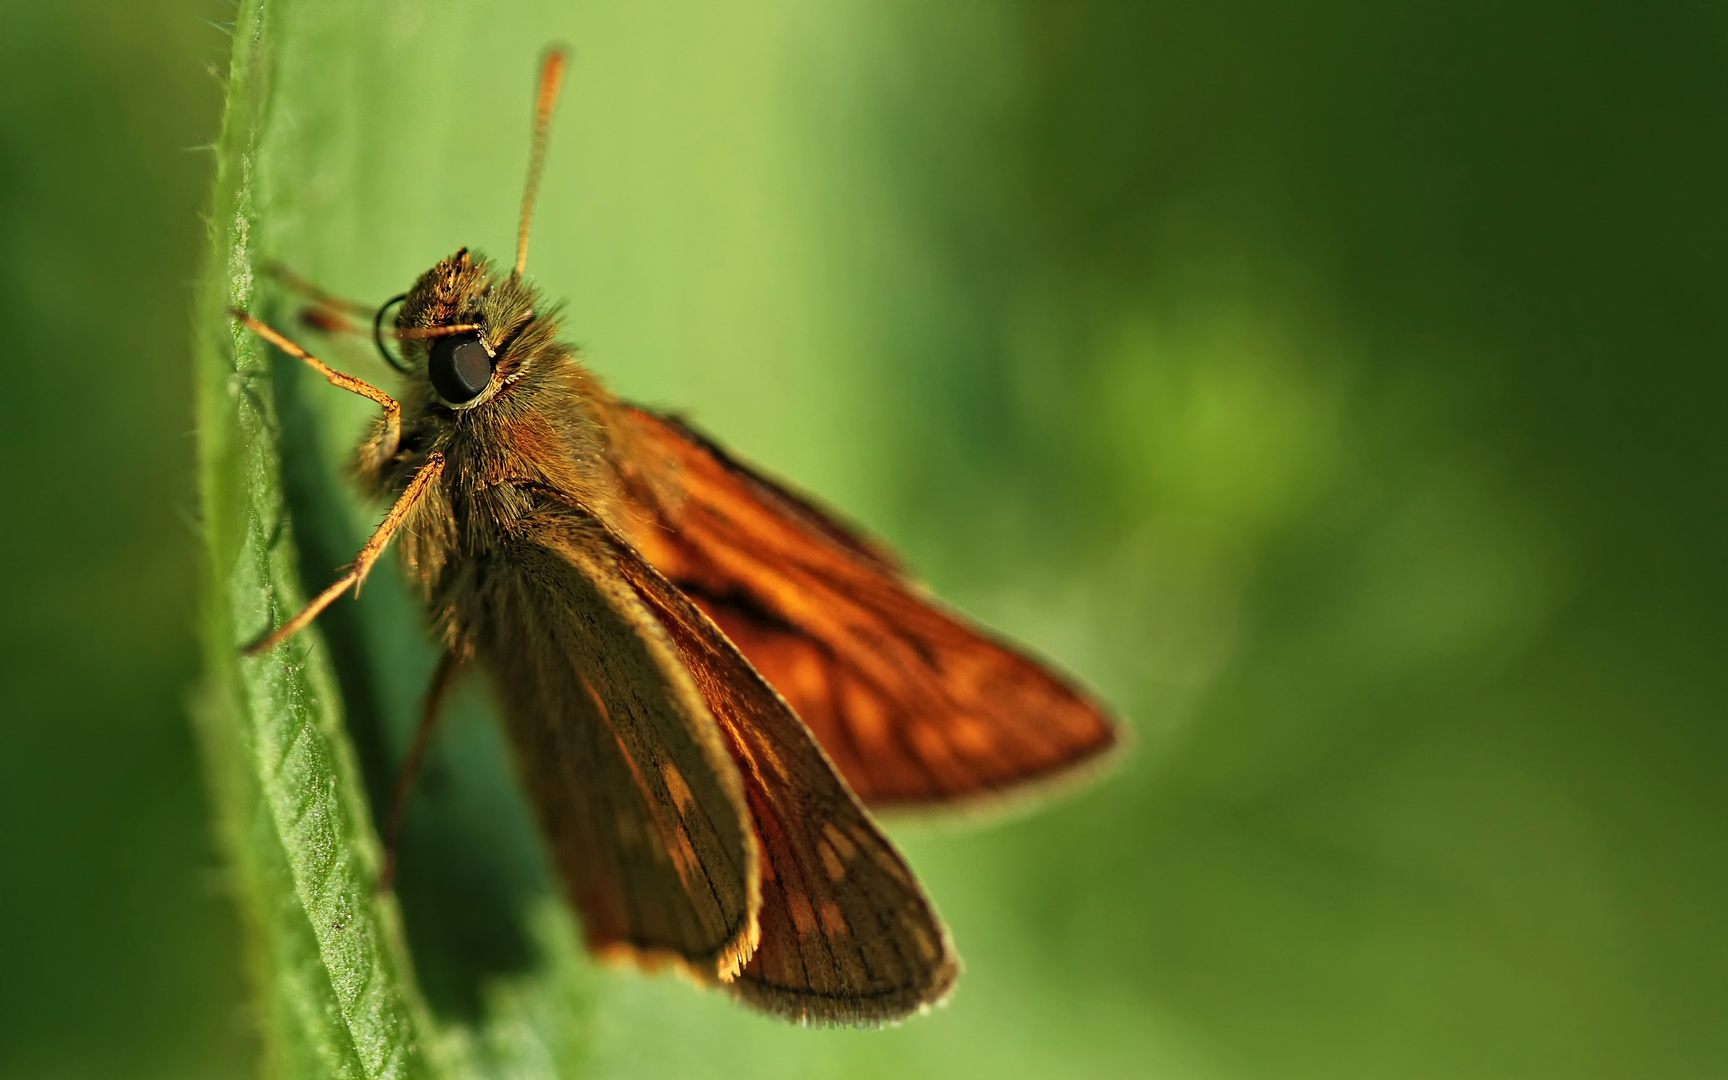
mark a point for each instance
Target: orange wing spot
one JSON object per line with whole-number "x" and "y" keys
{"x": 890, "y": 865}
{"x": 932, "y": 746}
{"x": 805, "y": 677}
{"x": 831, "y": 861}
{"x": 971, "y": 735}
{"x": 866, "y": 717}
{"x": 920, "y": 937}
{"x": 677, "y": 788}
{"x": 684, "y": 856}
{"x": 803, "y": 915}
{"x": 833, "y": 921}
{"x": 844, "y": 846}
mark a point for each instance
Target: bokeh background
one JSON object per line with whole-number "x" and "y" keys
{"x": 1339, "y": 388}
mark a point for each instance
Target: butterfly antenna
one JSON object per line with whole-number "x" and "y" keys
{"x": 551, "y": 78}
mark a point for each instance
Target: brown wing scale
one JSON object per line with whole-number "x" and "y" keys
{"x": 847, "y": 935}
{"x": 639, "y": 798}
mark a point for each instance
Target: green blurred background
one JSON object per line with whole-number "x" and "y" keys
{"x": 1337, "y": 388}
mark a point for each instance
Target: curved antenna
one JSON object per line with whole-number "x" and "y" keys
{"x": 551, "y": 78}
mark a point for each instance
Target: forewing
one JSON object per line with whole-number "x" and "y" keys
{"x": 847, "y": 935}
{"x": 634, "y": 785}
{"x": 912, "y": 703}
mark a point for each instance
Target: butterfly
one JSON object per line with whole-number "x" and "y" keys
{"x": 705, "y": 676}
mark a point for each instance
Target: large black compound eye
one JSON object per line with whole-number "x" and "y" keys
{"x": 460, "y": 367}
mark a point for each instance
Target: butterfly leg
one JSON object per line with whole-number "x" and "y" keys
{"x": 390, "y": 436}
{"x": 362, "y": 565}
{"x": 331, "y": 314}
{"x": 449, "y": 667}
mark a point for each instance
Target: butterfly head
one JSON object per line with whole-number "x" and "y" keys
{"x": 469, "y": 331}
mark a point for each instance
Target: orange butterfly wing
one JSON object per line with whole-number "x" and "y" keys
{"x": 912, "y": 703}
